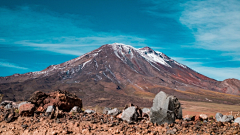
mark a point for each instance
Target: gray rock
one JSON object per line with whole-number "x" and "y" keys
{"x": 165, "y": 109}
{"x": 130, "y": 114}
{"x": 89, "y": 111}
{"x": 22, "y": 103}
{"x": 13, "y": 104}
{"x": 237, "y": 120}
{"x": 24, "y": 126}
{"x": 179, "y": 115}
{"x": 227, "y": 118}
{"x": 146, "y": 110}
{"x": 223, "y": 118}
{"x": 76, "y": 109}
{"x": 105, "y": 110}
{"x": 8, "y": 106}
{"x": 218, "y": 116}
{"x": 50, "y": 109}
{"x": 187, "y": 118}
{"x": 4, "y": 103}
{"x": 114, "y": 112}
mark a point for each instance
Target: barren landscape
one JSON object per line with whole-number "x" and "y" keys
{"x": 198, "y": 118}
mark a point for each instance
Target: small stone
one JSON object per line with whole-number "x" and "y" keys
{"x": 187, "y": 118}
{"x": 114, "y": 112}
{"x": 50, "y": 109}
{"x": 24, "y": 126}
{"x": 237, "y": 120}
{"x": 88, "y": 111}
{"x": 76, "y": 109}
{"x": 203, "y": 116}
{"x": 106, "y": 109}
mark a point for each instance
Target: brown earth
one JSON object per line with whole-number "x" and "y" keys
{"x": 99, "y": 124}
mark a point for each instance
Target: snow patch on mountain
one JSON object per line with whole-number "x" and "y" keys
{"x": 85, "y": 63}
{"x": 147, "y": 53}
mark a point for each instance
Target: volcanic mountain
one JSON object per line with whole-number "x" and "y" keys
{"x": 115, "y": 74}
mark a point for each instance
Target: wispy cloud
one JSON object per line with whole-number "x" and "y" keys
{"x": 214, "y": 26}
{"x": 215, "y": 23}
{"x": 73, "y": 46}
{"x": 65, "y": 34}
{"x": 11, "y": 65}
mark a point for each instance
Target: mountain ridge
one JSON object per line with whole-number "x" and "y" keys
{"x": 117, "y": 69}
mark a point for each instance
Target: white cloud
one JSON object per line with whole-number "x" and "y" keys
{"x": 65, "y": 34}
{"x": 219, "y": 74}
{"x": 75, "y": 45}
{"x": 11, "y": 65}
{"x": 215, "y": 23}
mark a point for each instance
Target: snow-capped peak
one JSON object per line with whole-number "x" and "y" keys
{"x": 149, "y": 54}
{"x": 117, "y": 44}
{"x": 153, "y": 56}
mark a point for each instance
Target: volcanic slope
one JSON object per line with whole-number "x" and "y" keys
{"x": 115, "y": 74}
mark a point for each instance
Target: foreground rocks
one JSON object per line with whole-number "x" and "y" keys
{"x": 95, "y": 123}
{"x": 165, "y": 109}
{"x": 163, "y": 118}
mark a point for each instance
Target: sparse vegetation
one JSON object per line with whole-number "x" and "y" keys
{"x": 1, "y": 96}
{"x": 16, "y": 111}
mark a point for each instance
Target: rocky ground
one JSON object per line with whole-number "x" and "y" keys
{"x": 51, "y": 114}
{"x": 83, "y": 123}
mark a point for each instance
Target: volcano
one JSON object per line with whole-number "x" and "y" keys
{"x": 116, "y": 74}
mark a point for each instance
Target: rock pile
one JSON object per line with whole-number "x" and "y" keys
{"x": 62, "y": 99}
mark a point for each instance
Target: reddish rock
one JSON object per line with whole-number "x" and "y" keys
{"x": 197, "y": 118}
{"x": 26, "y": 109}
{"x": 40, "y": 109}
{"x": 62, "y": 99}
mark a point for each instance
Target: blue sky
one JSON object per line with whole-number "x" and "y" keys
{"x": 204, "y": 35}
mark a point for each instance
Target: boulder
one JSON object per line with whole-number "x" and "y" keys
{"x": 26, "y": 109}
{"x": 165, "y": 109}
{"x": 237, "y": 120}
{"x": 88, "y": 111}
{"x": 76, "y": 109}
{"x": 106, "y": 109}
{"x": 62, "y": 99}
{"x": 130, "y": 114}
{"x": 223, "y": 118}
{"x": 114, "y": 112}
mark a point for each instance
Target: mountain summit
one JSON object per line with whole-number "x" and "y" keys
{"x": 115, "y": 71}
